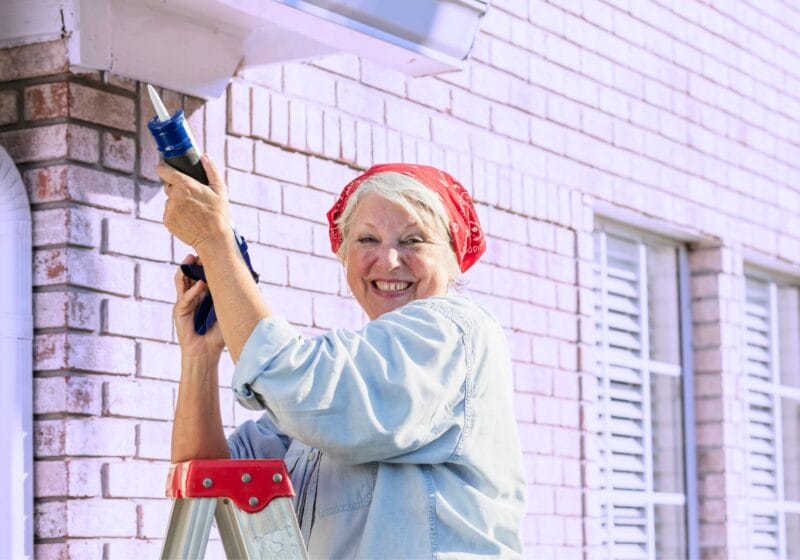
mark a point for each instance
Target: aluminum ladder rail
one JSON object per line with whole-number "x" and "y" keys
{"x": 251, "y": 501}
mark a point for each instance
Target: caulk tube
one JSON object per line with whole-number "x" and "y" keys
{"x": 179, "y": 150}
{"x": 177, "y": 147}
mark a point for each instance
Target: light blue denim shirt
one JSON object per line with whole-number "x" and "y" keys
{"x": 409, "y": 444}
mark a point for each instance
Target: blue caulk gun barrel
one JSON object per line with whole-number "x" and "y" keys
{"x": 175, "y": 140}
{"x": 179, "y": 150}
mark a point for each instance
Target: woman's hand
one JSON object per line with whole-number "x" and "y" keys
{"x": 194, "y": 212}
{"x": 189, "y": 295}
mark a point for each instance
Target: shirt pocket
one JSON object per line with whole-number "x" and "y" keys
{"x": 344, "y": 487}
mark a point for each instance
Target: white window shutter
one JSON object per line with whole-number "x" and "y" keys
{"x": 762, "y": 451}
{"x": 624, "y": 454}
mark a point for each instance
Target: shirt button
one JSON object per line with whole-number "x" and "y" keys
{"x": 311, "y": 455}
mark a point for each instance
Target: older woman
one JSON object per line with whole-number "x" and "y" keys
{"x": 399, "y": 437}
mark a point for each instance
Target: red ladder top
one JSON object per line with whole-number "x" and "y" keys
{"x": 250, "y": 484}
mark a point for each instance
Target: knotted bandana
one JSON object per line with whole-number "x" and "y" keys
{"x": 465, "y": 229}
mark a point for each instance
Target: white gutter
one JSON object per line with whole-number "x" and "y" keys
{"x": 16, "y": 369}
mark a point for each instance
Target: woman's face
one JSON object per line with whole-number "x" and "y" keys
{"x": 391, "y": 258}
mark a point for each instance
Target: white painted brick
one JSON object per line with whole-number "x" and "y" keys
{"x": 347, "y": 129}
{"x": 124, "y": 549}
{"x": 363, "y": 156}
{"x": 285, "y": 232}
{"x": 80, "y": 267}
{"x": 281, "y": 165}
{"x": 76, "y": 226}
{"x": 309, "y": 272}
{"x": 124, "y": 237}
{"x": 252, "y": 190}
{"x": 562, "y": 52}
{"x": 238, "y": 109}
{"x": 143, "y": 319}
{"x": 270, "y": 264}
{"x": 239, "y": 153}
{"x": 158, "y": 360}
{"x": 279, "y": 121}
{"x": 153, "y": 440}
{"x": 359, "y": 101}
{"x": 154, "y": 517}
{"x": 383, "y": 78}
{"x": 76, "y": 310}
{"x": 340, "y": 63}
{"x": 96, "y": 517}
{"x": 71, "y": 394}
{"x": 431, "y": 92}
{"x": 529, "y": 318}
{"x": 491, "y": 83}
{"x": 83, "y": 352}
{"x": 510, "y": 122}
{"x": 156, "y": 281}
{"x": 139, "y": 399}
{"x": 260, "y": 117}
{"x": 298, "y": 76}
{"x": 337, "y": 312}
{"x": 135, "y": 479}
{"x": 307, "y": 203}
{"x": 298, "y": 125}
{"x": 450, "y": 133}
{"x": 407, "y": 118}
{"x": 294, "y": 305}
{"x": 97, "y": 437}
{"x": 329, "y": 176}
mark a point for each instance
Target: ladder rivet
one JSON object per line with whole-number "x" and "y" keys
{"x": 246, "y": 478}
{"x": 207, "y": 482}
{"x": 253, "y": 501}
{"x": 276, "y": 478}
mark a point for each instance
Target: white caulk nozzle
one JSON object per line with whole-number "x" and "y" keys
{"x": 158, "y": 105}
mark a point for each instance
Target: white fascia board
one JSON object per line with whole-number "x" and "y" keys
{"x": 135, "y": 40}
{"x": 341, "y": 32}
{"x": 23, "y": 22}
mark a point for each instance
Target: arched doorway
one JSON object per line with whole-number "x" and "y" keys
{"x": 16, "y": 368}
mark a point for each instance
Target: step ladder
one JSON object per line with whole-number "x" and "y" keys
{"x": 251, "y": 501}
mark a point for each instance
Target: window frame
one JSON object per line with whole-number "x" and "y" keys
{"x": 777, "y": 391}
{"x": 649, "y": 498}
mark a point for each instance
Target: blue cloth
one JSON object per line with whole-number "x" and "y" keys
{"x": 400, "y": 438}
{"x": 204, "y": 315}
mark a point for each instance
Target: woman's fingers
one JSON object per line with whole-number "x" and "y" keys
{"x": 182, "y": 282}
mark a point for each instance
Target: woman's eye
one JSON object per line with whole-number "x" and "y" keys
{"x": 413, "y": 240}
{"x": 366, "y": 239}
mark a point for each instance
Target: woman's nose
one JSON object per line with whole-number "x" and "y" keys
{"x": 389, "y": 257}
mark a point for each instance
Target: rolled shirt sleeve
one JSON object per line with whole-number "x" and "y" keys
{"x": 258, "y": 439}
{"x": 398, "y": 390}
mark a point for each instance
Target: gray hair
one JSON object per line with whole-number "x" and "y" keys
{"x": 415, "y": 198}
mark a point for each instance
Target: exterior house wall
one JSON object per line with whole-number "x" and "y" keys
{"x": 679, "y": 117}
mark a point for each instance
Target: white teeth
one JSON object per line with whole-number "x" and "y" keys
{"x": 391, "y": 286}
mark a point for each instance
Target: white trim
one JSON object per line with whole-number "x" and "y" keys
{"x": 16, "y": 339}
{"x": 625, "y": 218}
{"x": 647, "y": 419}
{"x": 768, "y": 267}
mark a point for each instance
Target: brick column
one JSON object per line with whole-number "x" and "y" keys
{"x": 717, "y": 284}
{"x": 104, "y": 355}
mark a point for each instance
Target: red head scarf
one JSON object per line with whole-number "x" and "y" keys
{"x": 465, "y": 229}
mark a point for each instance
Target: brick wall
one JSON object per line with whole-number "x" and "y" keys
{"x": 682, "y": 115}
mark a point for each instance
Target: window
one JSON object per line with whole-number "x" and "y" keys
{"x": 772, "y": 416}
{"x": 640, "y": 309}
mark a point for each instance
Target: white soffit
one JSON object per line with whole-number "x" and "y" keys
{"x": 196, "y": 46}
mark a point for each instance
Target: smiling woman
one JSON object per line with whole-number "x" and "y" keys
{"x": 400, "y": 437}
